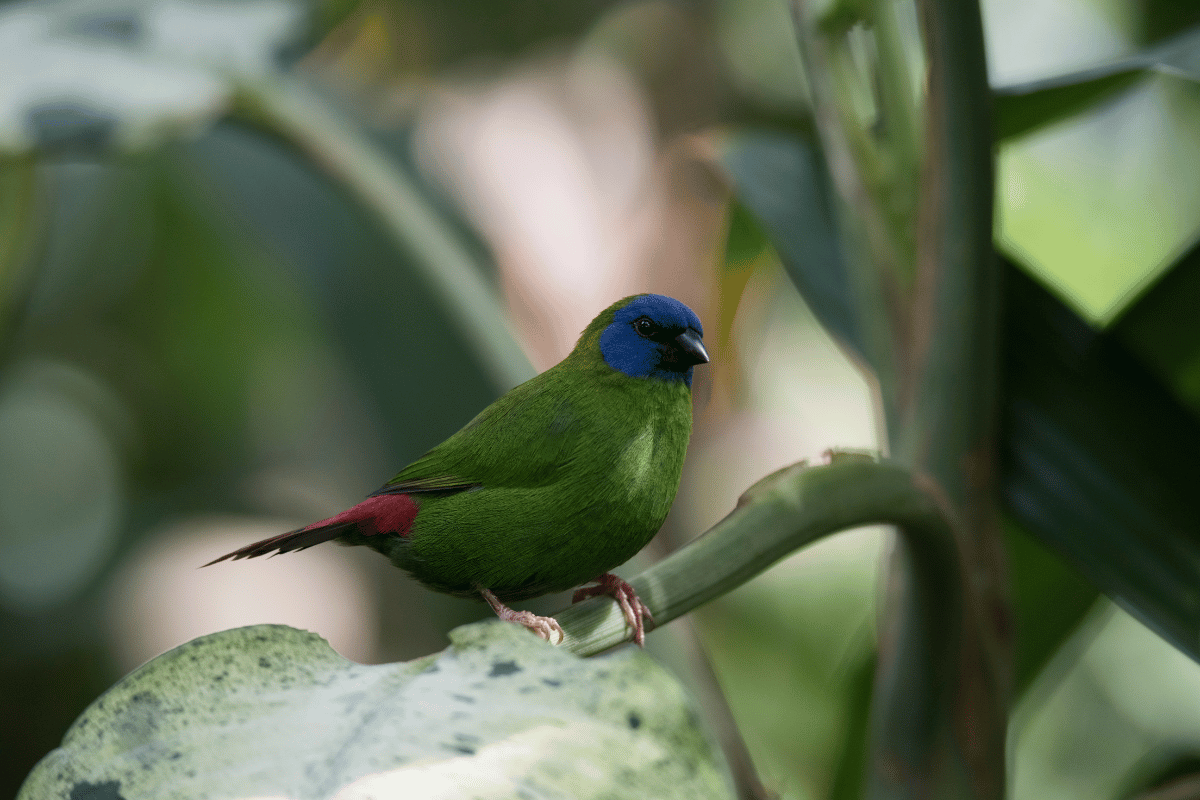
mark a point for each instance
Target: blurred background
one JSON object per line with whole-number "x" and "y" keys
{"x": 205, "y": 340}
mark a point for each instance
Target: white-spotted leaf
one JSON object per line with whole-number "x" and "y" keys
{"x": 93, "y": 76}
{"x": 271, "y": 711}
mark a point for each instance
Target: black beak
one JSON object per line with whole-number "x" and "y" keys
{"x": 691, "y": 349}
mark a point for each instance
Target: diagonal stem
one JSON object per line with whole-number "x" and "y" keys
{"x": 286, "y": 108}
{"x": 780, "y": 514}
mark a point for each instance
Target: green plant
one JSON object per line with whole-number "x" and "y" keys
{"x": 1008, "y": 416}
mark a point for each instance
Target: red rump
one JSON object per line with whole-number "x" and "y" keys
{"x": 384, "y": 513}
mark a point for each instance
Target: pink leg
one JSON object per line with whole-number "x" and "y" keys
{"x": 542, "y": 626}
{"x": 631, "y": 605}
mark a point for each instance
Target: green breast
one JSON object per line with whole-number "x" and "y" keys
{"x": 615, "y": 448}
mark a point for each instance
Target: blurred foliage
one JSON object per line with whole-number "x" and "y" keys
{"x": 783, "y": 179}
{"x": 195, "y": 313}
{"x": 1049, "y": 600}
{"x": 458, "y": 31}
{"x": 1024, "y": 108}
{"x": 1087, "y": 421}
{"x": 1161, "y": 18}
{"x": 1160, "y": 328}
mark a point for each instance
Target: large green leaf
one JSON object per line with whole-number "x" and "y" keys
{"x": 852, "y": 763}
{"x": 272, "y": 711}
{"x": 1100, "y": 462}
{"x": 365, "y": 289}
{"x": 1163, "y": 328}
{"x": 1049, "y": 601}
{"x": 782, "y": 180}
{"x": 1021, "y": 108}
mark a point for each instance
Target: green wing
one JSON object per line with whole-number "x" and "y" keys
{"x": 525, "y": 438}
{"x": 438, "y": 484}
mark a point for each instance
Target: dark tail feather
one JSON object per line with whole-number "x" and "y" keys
{"x": 299, "y": 539}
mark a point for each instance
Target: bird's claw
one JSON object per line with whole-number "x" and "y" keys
{"x": 544, "y": 627}
{"x": 635, "y": 611}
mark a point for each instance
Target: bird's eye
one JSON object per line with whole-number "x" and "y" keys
{"x": 644, "y": 327}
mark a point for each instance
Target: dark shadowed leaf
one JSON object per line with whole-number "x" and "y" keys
{"x": 1049, "y": 601}
{"x": 782, "y": 180}
{"x": 1170, "y": 772}
{"x": 389, "y": 327}
{"x": 1020, "y": 108}
{"x": 852, "y": 764}
{"x": 1163, "y": 328}
{"x": 1027, "y": 107}
{"x": 1100, "y": 462}
{"x": 1163, "y": 18}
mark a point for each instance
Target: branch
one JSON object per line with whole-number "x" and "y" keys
{"x": 777, "y": 516}
{"x": 286, "y": 108}
{"x": 935, "y": 733}
{"x": 876, "y": 261}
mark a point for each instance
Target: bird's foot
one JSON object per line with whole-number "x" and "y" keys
{"x": 631, "y": 605}
{"x": 544, "y": 627}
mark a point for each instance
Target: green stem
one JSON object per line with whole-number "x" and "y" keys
{"x": 951, "y": 399}
{"x": 780, "y": 514}
{"x": 938, "y": 719}
{"x": 286, "y": 108}
{"x": 950, "y": 742}
{"x": 857, "y": 172}
{"x": 901, "y": 130}
{"x": 898, "y": 102}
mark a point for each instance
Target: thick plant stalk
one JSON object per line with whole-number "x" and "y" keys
{"x": 952, "y": 743}
{"x": 937, "y": 719}
{"x": 780, "y": 514}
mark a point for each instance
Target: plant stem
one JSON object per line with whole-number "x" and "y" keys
{"x": 870, "y": 253}
{"x": 939, "y": 722}
{"x": 780, "y": 514}
{"x": 288, "y": 109}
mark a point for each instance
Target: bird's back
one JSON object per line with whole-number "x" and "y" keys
{"x": 572, "y": 473}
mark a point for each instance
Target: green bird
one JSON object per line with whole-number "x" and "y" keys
{"x": 553, "y": 485}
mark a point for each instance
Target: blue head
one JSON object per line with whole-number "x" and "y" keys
{"x": 652, "y": 336}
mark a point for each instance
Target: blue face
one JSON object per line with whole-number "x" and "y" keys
{"x": 654, "y": 337}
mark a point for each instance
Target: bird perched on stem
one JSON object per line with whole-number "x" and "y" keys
{"x": 554, "y": 484}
